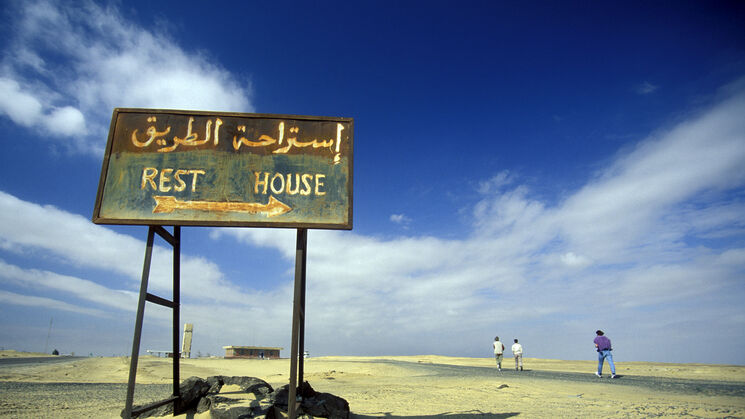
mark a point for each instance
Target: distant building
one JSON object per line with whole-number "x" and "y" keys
{"x": 258, "y": 352}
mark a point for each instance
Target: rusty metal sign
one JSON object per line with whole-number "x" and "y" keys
{"x": 174, "y": 167}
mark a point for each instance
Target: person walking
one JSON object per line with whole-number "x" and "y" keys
{"x": 517, "y": 352}
{"x": 604, "y": 348}
{"x": 498, "y": 351}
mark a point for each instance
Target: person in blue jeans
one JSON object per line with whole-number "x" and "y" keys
{"x": 603, "y": 346}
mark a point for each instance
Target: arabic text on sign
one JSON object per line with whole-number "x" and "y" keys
{"x": 191, "y": 138}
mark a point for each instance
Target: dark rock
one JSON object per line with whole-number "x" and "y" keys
{"x": 304, "y": 390}
{"x": 192, "y": 390}
{"x": 279, "y": 397}
{"x": 204, "y": 404}
{"x": 326, "y": 405}
{"x": 312, "y": 403}
{"x": 216, "y": 382}
{"x": 200, "y": 396}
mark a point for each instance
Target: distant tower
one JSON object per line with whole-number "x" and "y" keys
{"x": 186, "y": 344}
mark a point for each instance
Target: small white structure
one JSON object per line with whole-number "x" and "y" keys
{"x": 186, "y": 343}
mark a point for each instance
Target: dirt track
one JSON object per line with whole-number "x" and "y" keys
{"x": 683, "y": 386}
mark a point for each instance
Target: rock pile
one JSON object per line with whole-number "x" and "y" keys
{"x": 250, "y": 397}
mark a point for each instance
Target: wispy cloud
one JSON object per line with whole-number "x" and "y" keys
{"x": 634, "y": 200}
{"x": 101, "y": 62}
{"x": 496, "y": 183}
{"x": 79, "y": 288}
{"x": 401, "y": 219}
{"x": 646, "y": 88}
{"x": 11, "y": 298}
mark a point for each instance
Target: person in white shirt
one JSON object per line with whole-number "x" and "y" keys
{"x": 498, "y": 350}
{"x": 517, "y": 352}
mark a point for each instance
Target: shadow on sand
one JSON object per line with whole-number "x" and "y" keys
{"x": 471, "y": 414}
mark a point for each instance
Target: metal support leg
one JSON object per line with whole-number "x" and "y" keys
{"x": 298, "y": 322}
{"x": 176, "y": 310}
{"x": 175, "y": 241}
{"x": 301, "y": 335}
{"x": 138, "y": 324}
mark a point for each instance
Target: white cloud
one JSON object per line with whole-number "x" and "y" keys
{"x": 283, "y": 240}
{"x": 66, "y": 121}
{"x": 658, "y": 284}
{"x": 400, "y": 219}
{"x": 573, "y": 260}
{"x": 627, "y": 202}
{"x": 21, "y": 107}
{"x": 11, "y": 298}
{"x": 80, "y": 288}
{"x": 101, "y": 61}
{"x": 496, "y": 183}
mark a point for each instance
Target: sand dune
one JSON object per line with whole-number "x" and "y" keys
{"x": 428, "y": 386}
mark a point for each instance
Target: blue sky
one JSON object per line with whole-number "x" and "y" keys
{"x": 533, "y": 170}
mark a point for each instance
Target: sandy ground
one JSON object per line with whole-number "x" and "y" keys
{"x": 410, "y": 387}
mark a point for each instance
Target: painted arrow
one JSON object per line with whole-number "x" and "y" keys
{"x": 167, "y": 204}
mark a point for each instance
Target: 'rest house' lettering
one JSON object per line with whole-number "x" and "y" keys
{"x": 290, "y": 183}
{"x": 169, "y": 179}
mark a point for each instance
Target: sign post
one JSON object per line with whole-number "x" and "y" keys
{"x": 224, "y": 169}
{"x": 298, "y": 322}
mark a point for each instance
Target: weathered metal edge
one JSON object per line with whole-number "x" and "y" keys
{"x": 104, "y": 168}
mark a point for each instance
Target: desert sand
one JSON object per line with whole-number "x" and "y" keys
{"x": 403, "y": 386}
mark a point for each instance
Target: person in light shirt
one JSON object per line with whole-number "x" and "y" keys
{"x": 498, "y": 350}
{"x": 517, "y": 352}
